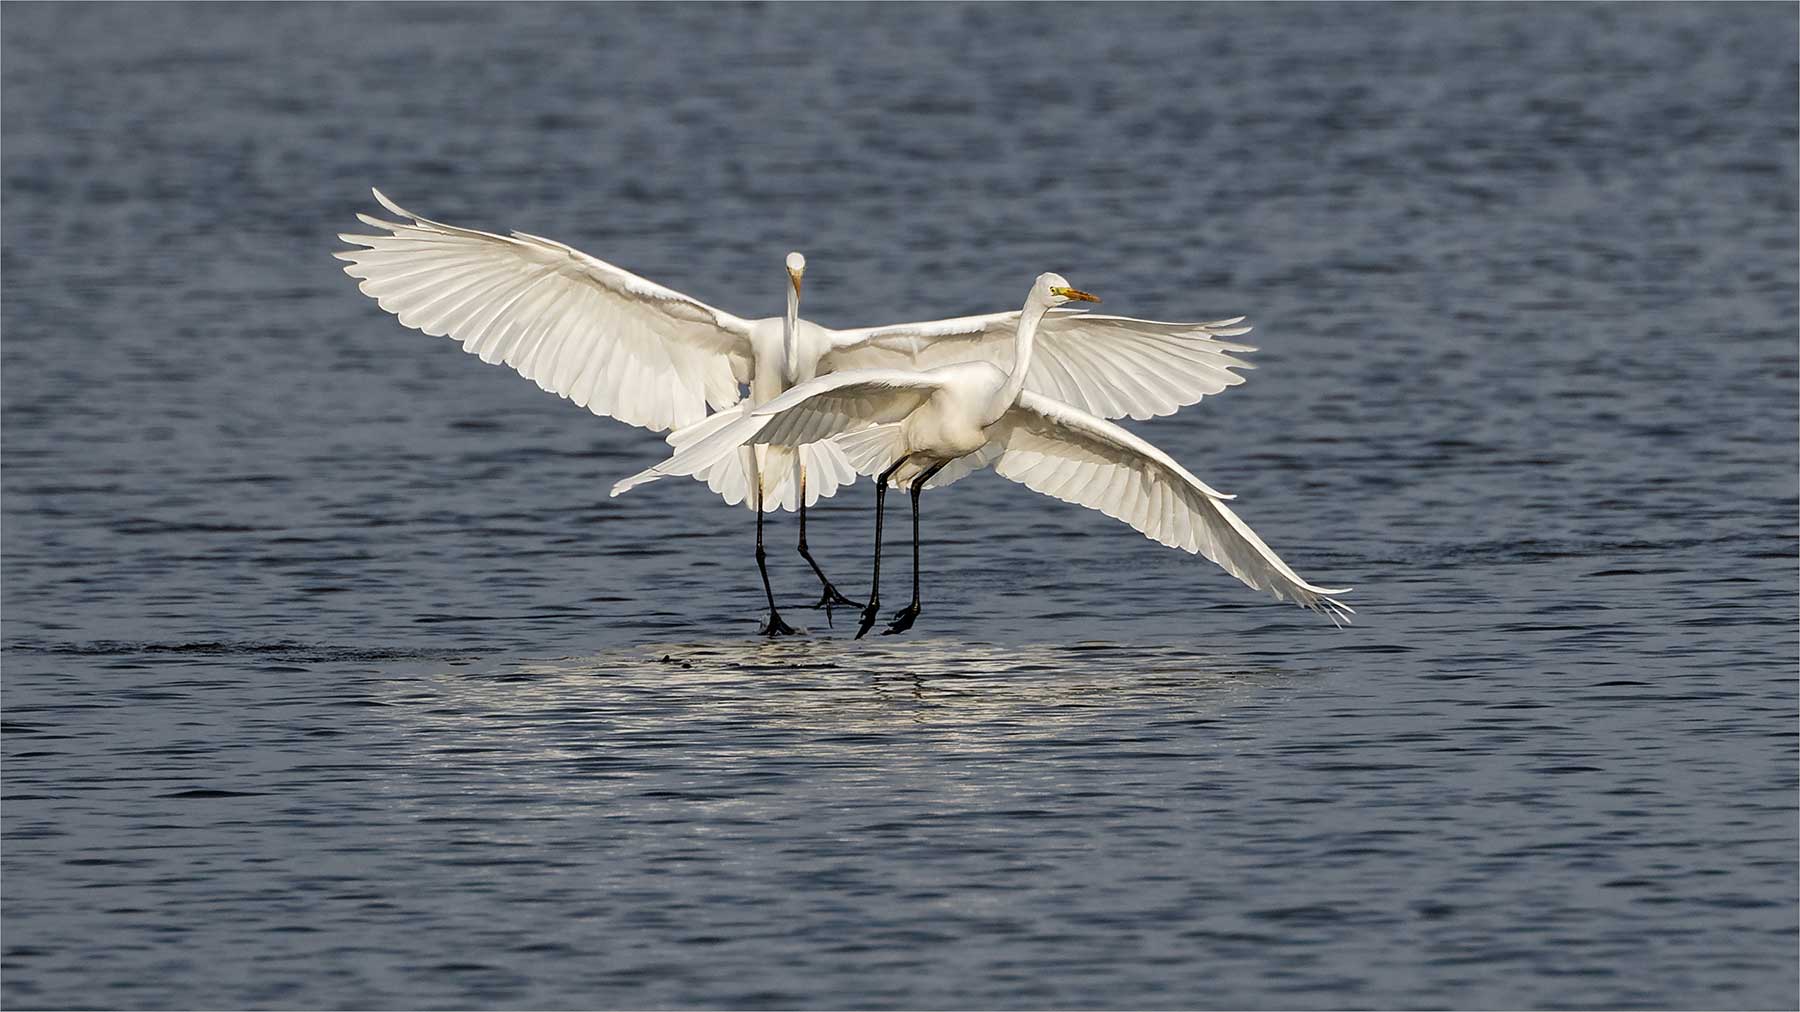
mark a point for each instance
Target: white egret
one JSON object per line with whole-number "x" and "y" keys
{"x": 934, "y": 426}
{"x": 628, "y": 348}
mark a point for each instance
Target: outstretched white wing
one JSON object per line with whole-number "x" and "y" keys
{"x": 1076, "y": 457}
{"x": 818, "y": 409}
{"x": 603, "y": 337}
{"x": 1111, "y": 366}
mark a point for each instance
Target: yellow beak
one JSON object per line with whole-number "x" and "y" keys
{"x": 795, "y": 278}
{"x": 1071, "y": 293}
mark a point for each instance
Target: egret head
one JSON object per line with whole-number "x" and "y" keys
{"x": 1053, "y": 290}
{"x": 796, "y": 266}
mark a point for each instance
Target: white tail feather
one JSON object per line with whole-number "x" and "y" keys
{"x": 871, "y": 450}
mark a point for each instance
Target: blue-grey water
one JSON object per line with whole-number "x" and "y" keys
{"x": 333, "y": 678}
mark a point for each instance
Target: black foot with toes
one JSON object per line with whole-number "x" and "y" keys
{"x": 831, "y": 598}
{"x": 777, "y": 627}
{"x": 868, "y": 618}
{"x": 903, "y": 620}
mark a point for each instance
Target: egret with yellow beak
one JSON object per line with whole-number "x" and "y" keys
{"x": 628, "y": 348}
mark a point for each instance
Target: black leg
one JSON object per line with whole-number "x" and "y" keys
{"x": 903, "y": 619}
{"x": 776, "y": 626}
{"x": 829, "y": 596}
{"x": 869, "y": 611}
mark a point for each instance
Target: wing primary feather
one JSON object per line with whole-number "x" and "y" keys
{"x": 554, "y": 314}
{"x": 1102, "y": 466}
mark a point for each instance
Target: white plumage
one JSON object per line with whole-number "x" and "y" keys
{"x": 625, "y": 347}
{"x": 945, "y": 422}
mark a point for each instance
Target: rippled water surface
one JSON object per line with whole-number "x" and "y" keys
{"x": 332, "y": 677}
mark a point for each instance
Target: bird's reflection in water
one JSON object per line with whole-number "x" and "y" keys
{"x": 844, "y": 686}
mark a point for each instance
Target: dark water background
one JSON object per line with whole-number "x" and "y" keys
{"x": 332, "y": 677}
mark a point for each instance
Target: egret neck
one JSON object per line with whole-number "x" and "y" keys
{"x": 1029, "y": 318}
{"x": 790, "y": 333}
